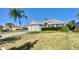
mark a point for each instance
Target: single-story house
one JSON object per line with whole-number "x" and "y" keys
{"x": 36, "y": 25}
{"x": 17, "y": 27}
{"x": 13, "y": 28}
{"x": 77, "y": 25}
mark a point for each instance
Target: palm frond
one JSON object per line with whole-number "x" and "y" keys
{"x": 17, "y": 14}
{"x": 25, "y": 16}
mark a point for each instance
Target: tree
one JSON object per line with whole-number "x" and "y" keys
{"x": 17, "y": 14}
{"x": 9, "y": 26}
{"x": 1, "y": 28}
{"x": 71, "y": 24}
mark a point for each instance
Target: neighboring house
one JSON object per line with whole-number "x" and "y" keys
{"x": 8, "y": 27}
{"x": 36, "y": 26}
{"x": 15, "y": 27}
{"x": 77, "y": 25}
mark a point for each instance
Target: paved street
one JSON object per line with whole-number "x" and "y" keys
{"x": 4, "y": 36}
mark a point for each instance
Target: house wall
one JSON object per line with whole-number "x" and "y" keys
{"x": 55, "y": 25}
{"x": 38, "y": 27}
{"x": 13, "y": 28}
{"x": 34, "y": 28}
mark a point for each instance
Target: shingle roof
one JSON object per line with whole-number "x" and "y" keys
{"x": 51, "y": 21}
{"x": 54, "y": 21}
{"x": 16, "y": 26}
{"x": 34, "y": 22}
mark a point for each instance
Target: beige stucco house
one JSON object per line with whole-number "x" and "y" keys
{"x": 13, "y": 28}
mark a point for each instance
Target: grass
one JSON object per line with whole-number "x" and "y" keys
{"x": 35, "y": 32}
{"x": 19, "y": 43}
{"x": 57, "y": 41}
{"x": 8, "y": 40}
{"x": 44, "y": 41}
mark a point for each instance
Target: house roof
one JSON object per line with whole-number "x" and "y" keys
{"x": 34, "y": 22}
{"x": 16, "y": 26}
{"x": 51, "y": 21}
{"x": 54, "y": 21}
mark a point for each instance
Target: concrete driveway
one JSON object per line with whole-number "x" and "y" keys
{"x": 14, "y": 34}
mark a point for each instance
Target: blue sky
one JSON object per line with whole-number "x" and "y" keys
{"x": 65, "y": 14}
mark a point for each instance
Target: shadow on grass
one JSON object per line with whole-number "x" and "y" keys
{"x": 26, "y": 46}
{"x": 9, "y": 40}
{"x": 34, "y": 32}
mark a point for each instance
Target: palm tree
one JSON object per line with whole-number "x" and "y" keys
{"x": 17, "y": 14}
{"x": 9, "y": 26}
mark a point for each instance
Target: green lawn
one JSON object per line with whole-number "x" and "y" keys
{"x": 45, "y": 41}
{"x": 57, "y": 41}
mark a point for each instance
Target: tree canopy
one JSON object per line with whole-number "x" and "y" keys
{"x": 17, "y": 14}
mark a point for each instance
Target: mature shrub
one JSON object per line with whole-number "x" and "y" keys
{"x": 71, "y": 27}
{"x": 25, "y": 28}
{"x": 71, "y": 24}
{"x": 7, "y": 30}
{"x": 51, "y": 28}
{"x": 65, "y": 29}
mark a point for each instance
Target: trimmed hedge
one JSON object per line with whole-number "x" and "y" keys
{"x": 51, "y": 28}
{"x": 64, "y": 29}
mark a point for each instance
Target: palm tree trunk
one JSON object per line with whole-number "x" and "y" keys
{"x": 19, "y": 21}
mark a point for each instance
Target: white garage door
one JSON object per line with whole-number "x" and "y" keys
{"x": 34, "y": 28}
